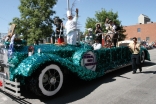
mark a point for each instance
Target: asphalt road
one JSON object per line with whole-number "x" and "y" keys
{"x": 118, "y": 87}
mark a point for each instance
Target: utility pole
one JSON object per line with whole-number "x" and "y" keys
{"x": 0, "y": 37}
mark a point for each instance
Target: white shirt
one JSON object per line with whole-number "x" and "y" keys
{"x": 110, "y": 28}
{"x": 107, "y": 26}
{"x": 113, "y": 28}
{"x": 71, "y": 25}
{"x": 96, "y": 46}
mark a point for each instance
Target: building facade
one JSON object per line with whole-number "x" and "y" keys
{"x": 142, "y": 32}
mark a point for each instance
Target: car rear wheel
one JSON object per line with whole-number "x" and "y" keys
{"x": 48, "y": 82}
{"x": 142, "y": 57}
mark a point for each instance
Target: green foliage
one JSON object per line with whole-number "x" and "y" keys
{"x": 35, "y": 22}
{"x": 100, "y": 17}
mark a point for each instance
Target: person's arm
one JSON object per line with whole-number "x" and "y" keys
{"x": 6, "y": 39}
{"x": 138, "y": 47}
{"x": 65, "y": 26}
{"x": 76, "y": 16}
{"x": 61, "y": 26}
{"x": 61, "y": 30}
{"x": 106, "y": 21}
{"x": 100, "y": 29}
{"x": 96, "y": 29}
{"x": 113, "y": 29}
{"x": 129, "y": 46}
{"x": 77, "y": 11}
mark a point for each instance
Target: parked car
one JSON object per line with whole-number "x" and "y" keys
{"x": 153, "y": 44}
{"x": 145, "y": 45}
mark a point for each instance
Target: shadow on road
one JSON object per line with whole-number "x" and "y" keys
{"x": 18, "y": 100}
{"x": 149, "y": 72}
{"x": 75, "y": 89}
{"x": 148, "y": 63}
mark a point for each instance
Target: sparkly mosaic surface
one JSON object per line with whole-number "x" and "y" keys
{"x": 69, "y": 57}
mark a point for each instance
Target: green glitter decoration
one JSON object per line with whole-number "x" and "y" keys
{"x": 69, "y": 57}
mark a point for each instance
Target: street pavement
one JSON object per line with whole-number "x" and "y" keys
{"x": 118, "y": 87}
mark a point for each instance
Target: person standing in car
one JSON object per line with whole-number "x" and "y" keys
{"x": 71, "y": 26}
{"x": 97, "y": 31}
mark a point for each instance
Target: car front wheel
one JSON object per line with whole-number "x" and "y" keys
{"x": 48, "y": 82}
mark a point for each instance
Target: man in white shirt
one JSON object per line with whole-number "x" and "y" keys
{"x": 97, "y": 45}
{"x": 70, "y": 26}
{"x": 135, "y": 57}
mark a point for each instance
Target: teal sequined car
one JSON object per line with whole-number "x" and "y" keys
{"x": 43, "y": 67}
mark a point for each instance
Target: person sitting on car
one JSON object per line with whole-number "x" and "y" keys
{"x": 97, "y": 45}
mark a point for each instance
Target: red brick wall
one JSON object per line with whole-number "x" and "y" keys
{"x": 146, "y": 30}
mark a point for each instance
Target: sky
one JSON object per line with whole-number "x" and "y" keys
{"x": 128, "y": 10}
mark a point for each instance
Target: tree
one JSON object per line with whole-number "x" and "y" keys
{"x": 100, "y": 17}
{"x": 35, "y": 22}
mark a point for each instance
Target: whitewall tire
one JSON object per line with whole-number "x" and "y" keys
{"x": 50, "y": 80}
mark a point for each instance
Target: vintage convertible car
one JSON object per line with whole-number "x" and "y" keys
{"x": 43, "y": 68}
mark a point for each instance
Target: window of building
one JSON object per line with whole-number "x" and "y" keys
{"x": 131, "y": 38}
{"x": 138, "y": 30}
{"x": 139, "y": 39}
{"x": 147, "y": 39}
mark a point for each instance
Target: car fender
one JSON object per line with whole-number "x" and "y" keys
{"x": 32, "y": 63}
{"x": 147, "y": 55}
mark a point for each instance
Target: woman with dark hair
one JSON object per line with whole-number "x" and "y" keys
{"x": 98, "y": 29}
{"x": 98, "y": 32}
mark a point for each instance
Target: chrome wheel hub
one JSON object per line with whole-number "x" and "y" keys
{"x": 53, "y": 80}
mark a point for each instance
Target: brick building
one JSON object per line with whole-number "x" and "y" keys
{"x": 145, "y": 30}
